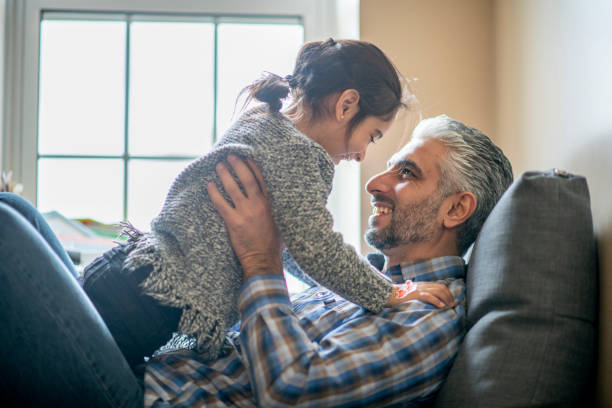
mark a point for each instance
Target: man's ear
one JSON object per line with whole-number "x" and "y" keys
{"x": 347, "y": 104}
{"x": 459, "y": 207}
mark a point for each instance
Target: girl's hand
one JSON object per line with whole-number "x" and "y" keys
{"x": 436, "y": 294}
{"x": 249, "y": 221}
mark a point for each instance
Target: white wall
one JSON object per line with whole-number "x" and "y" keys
{"x": 553, "y": 102}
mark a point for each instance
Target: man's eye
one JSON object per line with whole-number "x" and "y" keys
{"x": 406, "y": 172}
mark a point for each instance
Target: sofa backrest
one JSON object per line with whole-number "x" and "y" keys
{"x": 531, "y": 300}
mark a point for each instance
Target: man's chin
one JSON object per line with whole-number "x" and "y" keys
{"x": 376, "y": 238}
{"x": 378, "y": 222}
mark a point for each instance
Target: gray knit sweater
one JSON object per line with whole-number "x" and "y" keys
{"x": 194, "y": 266}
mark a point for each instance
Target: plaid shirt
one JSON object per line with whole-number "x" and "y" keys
{"x": 320, "y": 350}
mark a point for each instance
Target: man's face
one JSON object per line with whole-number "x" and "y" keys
{"x": 405, "y": 198}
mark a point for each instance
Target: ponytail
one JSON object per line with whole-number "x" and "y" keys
{"x": 270, "y": 88}
{"x": 324, "y": 68}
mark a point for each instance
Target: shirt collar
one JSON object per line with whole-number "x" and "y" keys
{"x": 426, "y": 269}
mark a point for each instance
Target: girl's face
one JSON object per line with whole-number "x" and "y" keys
{"x": 333, "y": 133}
{"x": 354, "y": 144}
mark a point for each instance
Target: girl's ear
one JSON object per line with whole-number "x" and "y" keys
{"x": 347, "y": 105}
{"x": 460, "y": 207}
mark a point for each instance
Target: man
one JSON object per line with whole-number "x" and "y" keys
{"x": 321, "y": 350}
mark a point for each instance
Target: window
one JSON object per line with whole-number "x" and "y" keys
{"x": 126, "y": 101}
{"x": 103, "y": 135}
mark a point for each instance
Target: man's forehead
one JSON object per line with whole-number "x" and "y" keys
{"x": 424, "y": 153}
{"x": 406, "y": 153}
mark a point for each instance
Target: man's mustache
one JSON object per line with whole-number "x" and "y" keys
{"x": 377, "y": 198}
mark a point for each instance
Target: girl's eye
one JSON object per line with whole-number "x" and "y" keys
{"x": 372, "y": 139}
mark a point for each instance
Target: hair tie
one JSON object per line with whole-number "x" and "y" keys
{"x": 290, "y": 81}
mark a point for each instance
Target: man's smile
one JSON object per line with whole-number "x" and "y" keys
{"x": 381, "y": 206}
{"x": 381, "y": 210}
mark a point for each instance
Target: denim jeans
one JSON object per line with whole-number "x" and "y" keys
{"x": 55, "y": 348}
{"x": 31, "y": 214}
{"x": 138, "y": 323}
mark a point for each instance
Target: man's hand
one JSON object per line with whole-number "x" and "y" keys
{"x": 249, "y": 222}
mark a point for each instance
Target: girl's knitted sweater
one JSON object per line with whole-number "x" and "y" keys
{"x": 194, "y": 266}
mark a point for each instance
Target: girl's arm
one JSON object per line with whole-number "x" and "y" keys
{"x": 298, "y": 187}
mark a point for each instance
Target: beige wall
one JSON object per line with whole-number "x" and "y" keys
{"x": 536, "y": 75}
{"x": 554, "y": 109}
{"x": 448, "y": 46}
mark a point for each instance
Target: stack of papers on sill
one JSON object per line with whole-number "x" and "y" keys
{"x": 82, "y": 243}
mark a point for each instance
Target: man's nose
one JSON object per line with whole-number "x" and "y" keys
{"x": 377, "y": 183}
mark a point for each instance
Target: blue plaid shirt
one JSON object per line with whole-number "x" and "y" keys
{"x": 321, "y": 350}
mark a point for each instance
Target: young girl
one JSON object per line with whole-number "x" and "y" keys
{"x": 344, "y": 96}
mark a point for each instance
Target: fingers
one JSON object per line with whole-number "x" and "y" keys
{"x": 229, "y": 184}
{"x": 446, "y": 296}
{"x": 246, "y": 174}
{"x": 441, "y": 292}
{"x": 223, "y": 207}
{"x": 432, "y": 299}
{"x": 239, "y": 205}
{"x": 249, "y": 176}
{"x": 258, "y": 176}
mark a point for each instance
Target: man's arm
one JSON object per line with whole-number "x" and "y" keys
{"x": 399, "y": 354}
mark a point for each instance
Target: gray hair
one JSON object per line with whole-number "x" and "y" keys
{"x": 473, "y": 163}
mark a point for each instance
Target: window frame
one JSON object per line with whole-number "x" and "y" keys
{"x": 18, "y": 144}
{"x": 129, "y": 157}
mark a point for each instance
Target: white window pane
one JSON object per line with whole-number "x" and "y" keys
{"x": 344, "y": 202}
{"x": 82, "y": 87}
{"x": 171, "y": 88}
{"x": 240, "y": 62}
{"x": 82, "y": 188}
{"x": 149, "y": 181}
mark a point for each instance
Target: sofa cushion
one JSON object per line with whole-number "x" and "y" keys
{"x": 531, "y": 296}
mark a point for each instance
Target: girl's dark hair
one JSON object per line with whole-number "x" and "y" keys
{"x": 323, "y": 68}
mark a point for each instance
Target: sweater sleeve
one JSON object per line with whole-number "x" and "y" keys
{"x": 298, "y": 190}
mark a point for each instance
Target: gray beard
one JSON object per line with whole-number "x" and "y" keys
{"x": 412, "y": 223}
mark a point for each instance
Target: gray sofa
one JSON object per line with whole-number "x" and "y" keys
{"x": 532, "y": 297}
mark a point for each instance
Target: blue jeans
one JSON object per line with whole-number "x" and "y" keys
{"x": 55, "y": 348}
{"x": 138, "y": 323}
{"x": 31, "y": 214}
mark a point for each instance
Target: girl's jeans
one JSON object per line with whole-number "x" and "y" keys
{"x": 56, "y": 348}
